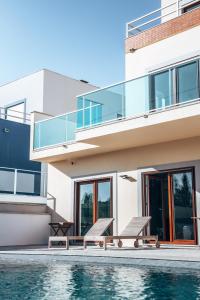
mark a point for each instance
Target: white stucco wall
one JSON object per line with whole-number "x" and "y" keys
{"x": 45, "y": 91}
{"x": 174, "y": 48}
{"x": 60, "y": 92}
{"x": 127, "y": 196}
{"x": 29, "y": 88}
{"x": 24, "y": 229}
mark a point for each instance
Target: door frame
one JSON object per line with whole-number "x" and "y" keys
{"x": 95, "y": 182}
{"x": 146, "y": 204}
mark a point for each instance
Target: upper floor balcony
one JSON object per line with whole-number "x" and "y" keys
{"x": 174, "y": 17}
{"x": 169, "y": 9}
{"x": 150, "y": 109}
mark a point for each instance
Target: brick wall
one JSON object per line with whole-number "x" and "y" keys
{"x": 164, "y": 30}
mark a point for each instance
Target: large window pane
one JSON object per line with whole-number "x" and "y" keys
{"x": 183, "y": 209}
{"x": 104, "y": 199}
{"x": 136, "y": 96}
{"x": 159, "y": 210}
{"x": 161, "y": 90}
{"x": 187, "y": 82}
{"x": 86, "y": 200}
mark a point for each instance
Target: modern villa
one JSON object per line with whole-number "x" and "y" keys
{"x": 100, "y": 186}
{"x": 133, "y": 148}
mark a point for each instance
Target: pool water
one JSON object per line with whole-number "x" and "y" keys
{"x": 61, "y": 280}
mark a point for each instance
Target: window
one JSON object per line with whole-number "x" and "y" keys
{"x": 191, "y": 7}
{"x": 16, "y": 112}
{"x": 94, "y": 201}
{"x": 160, "y": 90}
{"x": 187, "y": 82}
{"x": 176, "y": 85}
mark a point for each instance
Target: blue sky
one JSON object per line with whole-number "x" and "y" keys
{"x": 83, "y": 39}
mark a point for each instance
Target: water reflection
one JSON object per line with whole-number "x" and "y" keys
{"x": 60, "y": 281}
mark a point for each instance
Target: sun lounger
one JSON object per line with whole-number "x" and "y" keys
{"x": 133, "y": 232}
{"x": 94, "y": 232}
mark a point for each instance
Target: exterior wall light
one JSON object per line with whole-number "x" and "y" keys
{"x": 129, "y": 178}
{"x": 131, "y": 50}
{"x": 6, "y": 130}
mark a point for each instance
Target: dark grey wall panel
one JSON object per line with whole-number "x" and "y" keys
{"x": 14, "y": 146}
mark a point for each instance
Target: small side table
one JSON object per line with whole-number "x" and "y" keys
{"x": 60, "y": 227}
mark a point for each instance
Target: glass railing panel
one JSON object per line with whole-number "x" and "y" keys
{"x": 28, "y": 183}
{"x": 136, "y": 96}
{"x": 55, "y": 131}
{"x": 7, "y": 179}
{"x": 100, "y": 106}
{"x": 125, "y": 100}
{"x": 71, "y": 126}
{"x": 50, "y": 132}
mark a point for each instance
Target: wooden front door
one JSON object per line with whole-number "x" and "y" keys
{"x": 170, "y": 201}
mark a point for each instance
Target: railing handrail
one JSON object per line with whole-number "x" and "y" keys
{"x": 7, "y": 112}
{"x": 65, "y": 114}
{"x": 15, "y": 177}
{"x": 7, "y": 108}
{"x": 137, "y": 28}
{"x": 23, "y": 170}
{"x": 7, "y": 115}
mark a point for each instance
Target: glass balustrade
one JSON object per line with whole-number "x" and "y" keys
{"x": 137, "y": 97}
{"x": 55, "y": 131}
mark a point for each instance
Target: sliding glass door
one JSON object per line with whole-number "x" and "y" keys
{"x": 161, "y": 90}
{"x": 86, "y": 204}
{"x": 178, "y": 84}
{"x": 94, "y": 200}
{"x": 182, "y": 200}
{"x": 187, "y": 82}
{"x": 169, "y": 200}
{"x": 158, "y": 209}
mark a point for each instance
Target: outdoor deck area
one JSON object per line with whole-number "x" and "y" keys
{"x": 167, "y": 256}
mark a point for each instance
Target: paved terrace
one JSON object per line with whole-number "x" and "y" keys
{"x": 166, "y": 256}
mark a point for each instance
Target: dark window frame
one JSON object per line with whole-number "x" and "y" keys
{"x": 189, "y": 7}
{"x": 174, "y": 81}
{"x": 95, "y": 182}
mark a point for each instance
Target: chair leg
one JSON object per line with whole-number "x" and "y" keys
{"x": 105, "y": 244}
{"x": 84, "y": 244}
{"x": 67, "y": 244}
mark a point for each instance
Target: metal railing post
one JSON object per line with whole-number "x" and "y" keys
{"x": 127, "y": 26}
{"x": 15, "y": 182}
{"x": 177, "y": 7}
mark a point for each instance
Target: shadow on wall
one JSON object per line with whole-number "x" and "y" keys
{"x": 56, "y": 218}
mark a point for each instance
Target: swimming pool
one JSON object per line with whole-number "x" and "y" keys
{"x": 60, "y": 280}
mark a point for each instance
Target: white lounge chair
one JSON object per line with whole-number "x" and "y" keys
{"x": 94, "y": 233}
{"x": 131, "y": 232}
